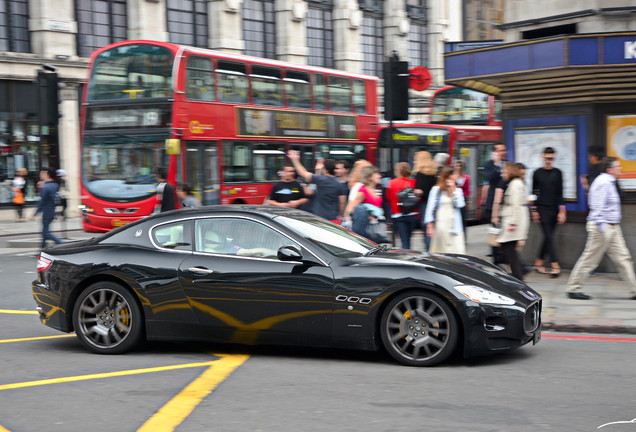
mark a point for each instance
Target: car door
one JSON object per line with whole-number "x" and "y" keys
{"x": 238, "y": 287}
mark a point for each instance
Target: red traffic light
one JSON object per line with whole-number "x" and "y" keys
{"x": 420, "y": 78}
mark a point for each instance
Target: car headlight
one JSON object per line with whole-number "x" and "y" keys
{"x": 481, "y": 295}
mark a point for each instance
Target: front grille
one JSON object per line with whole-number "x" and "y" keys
{"x": 532, "y": 319}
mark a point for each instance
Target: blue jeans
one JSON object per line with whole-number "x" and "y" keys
{"x": 47, "y": 234}
{"x": 404, "y": 225}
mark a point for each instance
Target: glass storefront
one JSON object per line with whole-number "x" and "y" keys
{"x": 23, "y": 143}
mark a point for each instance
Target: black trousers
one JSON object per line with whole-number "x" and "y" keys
{"x": 509, "y": 250}
{"x": 548, "y": 215}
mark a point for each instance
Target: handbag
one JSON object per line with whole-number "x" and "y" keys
{"x": 408, "y": 201}
{"x": 377, "y": 232}
{"x": 493, "y": 235}
{"x": 18, "y": 197}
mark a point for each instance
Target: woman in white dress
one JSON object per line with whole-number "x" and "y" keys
{"x": 443, "y": 216}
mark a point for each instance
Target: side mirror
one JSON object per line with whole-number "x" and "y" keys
{"x": 289, "y": 253}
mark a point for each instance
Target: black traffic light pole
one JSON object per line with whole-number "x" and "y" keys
{"x": 396, "y": 95}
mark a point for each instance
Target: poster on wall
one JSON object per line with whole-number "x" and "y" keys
{"x": 621, "y": 144}
{"x": 529, "y": 145}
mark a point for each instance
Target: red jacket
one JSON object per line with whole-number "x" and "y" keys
{"x": 396, "y": 185}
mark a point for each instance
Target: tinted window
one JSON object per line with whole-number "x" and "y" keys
{"x": 172, "y": 236}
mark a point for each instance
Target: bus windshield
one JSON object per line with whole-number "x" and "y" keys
{"x": 131, "y": 72}
{"x": 122, "y": 168}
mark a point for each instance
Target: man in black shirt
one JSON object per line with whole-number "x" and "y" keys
{"x": 594, "y": 158}
{"x": 548, "y": 209}
{"x": 287, "y": 192}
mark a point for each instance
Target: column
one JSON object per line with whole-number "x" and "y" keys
{"x": 347, "y": 39}
{"x": 53, "y": 27}
{"x": 225, "y": 25}
{"x": 291, "y": 31}
{"x": 147, "y": 20}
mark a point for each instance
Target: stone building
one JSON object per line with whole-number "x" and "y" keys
{"x": 353, "y": 35}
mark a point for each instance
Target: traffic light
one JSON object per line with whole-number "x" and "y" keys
{"x": 396, "y": 89}
{"x": 49, "y": 97}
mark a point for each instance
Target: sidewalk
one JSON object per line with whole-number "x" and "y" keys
{"x": 609, "y": 311}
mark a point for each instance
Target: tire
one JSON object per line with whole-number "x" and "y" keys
{"x": 107, "y": 319}
{"x": 419, "y": 329}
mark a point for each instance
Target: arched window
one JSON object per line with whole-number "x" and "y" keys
{"x": 188, "y": 22}
{"x": 99, "y": 23}
{"x": 320, "y": 33}
{"x": 259, "y": 28}
{"x": 14, "y": 26}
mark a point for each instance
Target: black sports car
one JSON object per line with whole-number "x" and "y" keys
{"x": 268, "y": 275}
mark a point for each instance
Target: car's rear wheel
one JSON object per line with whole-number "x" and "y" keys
{"x": 419, "y": 329}
{"x": 107, "y": 319}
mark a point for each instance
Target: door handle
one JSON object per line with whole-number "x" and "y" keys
{"x": 200, "y": 270}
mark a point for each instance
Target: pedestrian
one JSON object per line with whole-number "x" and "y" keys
{"x": 366, "y": 207}
{"x": 425, "y": 178}
{"x": 18, "y": 186}
{"x": 288, "y": 192}
{"x": 404, "y": 223}
{"x": 594, "y": 158}
{"x": 463, "y": 181}
{"x": 604, "y": 233}
{"x": 548, "y": 210}
{"x": 48, "y": 188}
{"x": 62, "y": 194}
{"x": 443, "y": 218}
{"x": 515, "y": 218}
{"x": 187, "y": 197}
{"x": 343, "y": 167}
{"x": 166, "y": 198}
{"x": 330, "y": 195}
{"x": 492, "y": 181}
{"x": 354, "y": 183}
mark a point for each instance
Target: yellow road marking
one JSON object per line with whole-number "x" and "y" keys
{"x": 36, "y": 338}
{"x": 179, "y": 407}
{"x": 3, "y": 429}
{"x": 103, "y": 375}
{"x": 9, "y": 311}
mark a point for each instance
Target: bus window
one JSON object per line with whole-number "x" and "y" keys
{"x": 269, "y": 160}
{"x": 320, "y": 92}
{"x": 200, "y": 79}
{"x": 232, "y": 81}
{"x": 348, "y": 152}
{"x": 266, "y": 86}
{"x": 297, "y": 89}
{"x": 359, "y": 97}
{"x": 131, "y": 72}
{"x": 237, "y": 162}
{"x": 340, "y": 94}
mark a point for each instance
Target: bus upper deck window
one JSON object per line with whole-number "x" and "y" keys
{"x": 199, "y": 79}
{"x": 232, "y": 81}
{"x": 359, "y": 97}
{"x": 266, "y": 86}
{"x": 320, "y": 92}
{"x": 339, "y": 94}
{"x": 297, "y": 89}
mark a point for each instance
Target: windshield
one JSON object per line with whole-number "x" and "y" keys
{"x": 132, "y": 72}
{"x": 328, "y": 236}
{"x": 122, "y": 168}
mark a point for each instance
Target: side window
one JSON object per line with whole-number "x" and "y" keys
{"x": 320, "y": 92}
{"x": 266, "y": 86}
{"x": 174, "y": 235}
{"x": 200, "y": 79}
{"x": 232, "y": 79}
{"x": 297, "y": 89}
{"x": 239, "y": 237}
{"x": 237, "y": 161}
{"x": 269, "y": 160}
{"x": 340, "y": 94}
{"x": 359, "y": 97}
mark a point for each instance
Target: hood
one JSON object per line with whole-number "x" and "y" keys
{"x": 464, "y": 269}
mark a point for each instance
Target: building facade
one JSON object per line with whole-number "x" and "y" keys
{"x": 352, "y": 35}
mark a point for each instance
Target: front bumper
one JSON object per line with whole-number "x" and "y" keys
{"x": 491, "y": 328}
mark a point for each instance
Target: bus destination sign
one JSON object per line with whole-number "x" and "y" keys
{"x": 127, "y": 118}
{"x": 295, "y": 124}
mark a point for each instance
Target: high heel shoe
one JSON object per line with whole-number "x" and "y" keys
{"x": 540, "y": 269}
{"x": 555, "y": 272}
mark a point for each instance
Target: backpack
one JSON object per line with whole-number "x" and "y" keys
{"x": 408, "y": 201}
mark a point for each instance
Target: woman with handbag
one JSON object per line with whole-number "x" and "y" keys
{"x": 18, "y": 186}
{"x": 443, "y": 216}
{"x": 515, "y": 218}
{"x": 366, "y": 207}
{"x": 404, "y": 220}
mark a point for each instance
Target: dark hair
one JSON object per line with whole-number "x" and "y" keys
{"x": 186, "y": 188}
{"x": 330, "y": 166}
{"x": 345, "y": 163}
{"x": 607, "y": 162}
{"x": 597, "y": 151}
{"x": 548, "y": 150}
{"x": 161, "y": 172}
{"x": 51, "y": 172}
{"x": 520, "y": 166}
{"x": 444, "y": 173}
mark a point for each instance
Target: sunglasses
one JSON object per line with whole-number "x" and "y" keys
{"x": 549, "y": 158}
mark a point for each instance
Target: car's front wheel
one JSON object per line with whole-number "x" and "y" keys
{"x": 419, "y": 329}
{"x": 107, "y": 319}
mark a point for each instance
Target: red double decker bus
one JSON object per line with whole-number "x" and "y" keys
{"x": 464, "y": 123}
{"x": 221, "y": 122}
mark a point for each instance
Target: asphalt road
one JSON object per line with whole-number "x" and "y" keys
{"x": 49, "y": 382}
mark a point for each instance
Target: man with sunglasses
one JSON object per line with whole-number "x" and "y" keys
{"x": 548, "y": 210}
